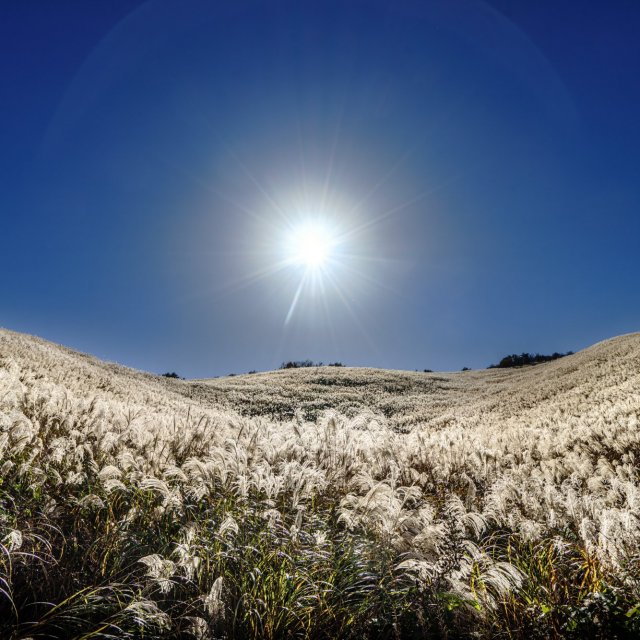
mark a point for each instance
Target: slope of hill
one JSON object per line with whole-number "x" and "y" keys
{"x": 324, "y": 502}
{"x": 576, "y": 385}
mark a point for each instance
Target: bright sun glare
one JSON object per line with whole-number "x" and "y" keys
{"x": 315, "y": 248}
{"x": 311, "y": 245}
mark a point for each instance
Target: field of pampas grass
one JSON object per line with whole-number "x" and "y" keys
{"x": 319, "y": 503}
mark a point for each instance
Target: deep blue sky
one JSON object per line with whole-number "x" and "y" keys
{"x": 483, "y": 159}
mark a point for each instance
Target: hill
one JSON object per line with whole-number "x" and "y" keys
{"x": 319, "y": 502}
{"x": 578, "y": 385}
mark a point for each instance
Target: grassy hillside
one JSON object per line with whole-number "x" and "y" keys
{"x": 325, "y": 502}
{"x": 575, "y": 385}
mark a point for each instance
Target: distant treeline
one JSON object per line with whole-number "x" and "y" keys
{"x": 515, "y": 360}
{"x": 300, "y": 364}
{"x": 171, "y": 374}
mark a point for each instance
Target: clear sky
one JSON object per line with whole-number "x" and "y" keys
{"x": 474, "y": 165}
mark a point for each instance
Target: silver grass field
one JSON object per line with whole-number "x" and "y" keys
{"x": 319, "y": 503}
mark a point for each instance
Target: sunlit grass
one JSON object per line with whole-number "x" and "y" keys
{"x": 129, "y": 509}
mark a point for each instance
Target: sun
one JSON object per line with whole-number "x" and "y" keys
{"x": 314, "y": 249}
{"x": 311, "y": 244}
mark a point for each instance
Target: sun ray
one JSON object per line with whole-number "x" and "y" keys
{"x": 296, "y": 297}
{"x": 260, "y": 188}
{"x": 332, "y": 155}
{"x": 358, "y": 205}
{"x": 207, "y": 187}
{"x": 354, "y": 316}
{"x": 236, "y": 158}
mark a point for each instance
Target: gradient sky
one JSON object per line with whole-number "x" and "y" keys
{"x": 481, "y": 160}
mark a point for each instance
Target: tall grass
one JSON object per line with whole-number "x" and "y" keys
{"x": 131, "y": 509}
